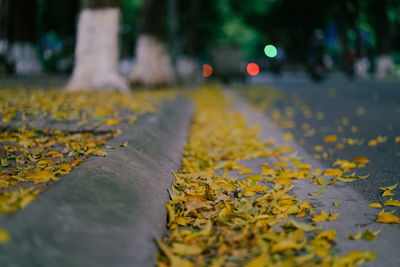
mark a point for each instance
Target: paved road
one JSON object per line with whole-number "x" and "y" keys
{"x": 336, "y": 105}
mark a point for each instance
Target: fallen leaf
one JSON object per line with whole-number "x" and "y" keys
{"x": 4, "y": 236}
{"x": 319, "y": 192}
{"x": 392, "y": 202}
{"x": 385, "y": 217}
{"x": 96, "y": 151}
{"x": 355, "y": 237}
{"x": 330, "y": 139}
{"x": 375, "y": 205}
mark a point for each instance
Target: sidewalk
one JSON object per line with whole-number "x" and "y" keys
{"x": 107, "y": 211}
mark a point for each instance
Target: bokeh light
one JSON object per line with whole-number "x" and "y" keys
{"x": 253, "y": 69}
{"x": 207, "y": 70}
{"x": 270, "y": 51}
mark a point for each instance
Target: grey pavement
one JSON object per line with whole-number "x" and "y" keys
{"x": 107, "y": 211}
{"x": 339, "y": 98}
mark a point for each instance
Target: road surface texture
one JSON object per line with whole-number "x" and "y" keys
{"x": 361, "y": 110}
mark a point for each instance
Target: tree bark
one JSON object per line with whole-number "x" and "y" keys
{"x": 153, "y": 66}
{"x": 96, "y": 51}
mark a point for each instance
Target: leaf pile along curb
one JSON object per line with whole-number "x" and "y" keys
{"x": 219, "y": 220}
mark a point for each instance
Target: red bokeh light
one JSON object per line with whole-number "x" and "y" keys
{"x": 207, "y": 70}
{"x": 253, "y": 69}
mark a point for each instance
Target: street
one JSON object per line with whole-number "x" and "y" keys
{"x": 336, "y": 106}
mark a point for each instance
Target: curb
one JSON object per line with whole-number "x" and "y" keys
{"x": 107, "y": 211}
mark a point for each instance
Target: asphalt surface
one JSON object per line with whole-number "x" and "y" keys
{"x": 354, "y": 213}
{"x": 373, "y": 107}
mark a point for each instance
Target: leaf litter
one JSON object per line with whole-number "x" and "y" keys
{"x": 34, "y": 158}
{"x": 219, "y": 220}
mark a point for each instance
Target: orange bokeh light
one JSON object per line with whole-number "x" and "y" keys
{"x": 253, "y": 69}
{"x": 207, "y": 70}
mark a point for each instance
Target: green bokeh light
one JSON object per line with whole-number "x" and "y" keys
{"x": 270, "y": 51}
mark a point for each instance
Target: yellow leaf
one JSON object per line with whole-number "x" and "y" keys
{"x": 330, "y": 139}
{"x": 373, "y": 142}
{"x": 171, "y": 214}
{"x": 54, "y": 154}
{"x": 385, "y": 217}
{"x": 355, "y": 257}
{"x": 174, "y": 261}
{"x": 336, "y": 204}
{"x": 355, "y": 237}
{"x": 321, "y": 180}
{"x": 346, "y": 180}
{"x": 392, "y": 202}
{"x": 387, "y": 193}
{"x": 246, "y": 171}
{"x": 262, "y": 260}
{"x": 321, "y": 218}
{"x": 397, "y": 139}
{"x": 318, "y": 148}
{"x": 328, "y": 235}
{"x": 40, "y": 176}
{"x": 4, "y": 236}
{"x": 303, "y": 166}
{"x": 388, "y": 187}
{"x": 285, "y": 245}
{"x": 288, "y": 137}
{"x": 183, "y": 249}
{"x": 369, "y": 235}
{"x": 4, "y": 162}
{"x": 361, "y": 160}
{"x": 333, "y": 172}
{"x": 333, "y": 216}
{"x": 280, "y": 164}
{"x": 303, "y": 226}
{"x": 319, "y": 192}
{"x": 112, "y": 122}
{"x": 96, "y": 151}
{"x": 124, "y": 144}
{"x": 375, "y": 205}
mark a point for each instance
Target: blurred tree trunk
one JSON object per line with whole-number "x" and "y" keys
{"x": 384, "y": 60}
{"x": 187, "y": 67}
{"x": 153, "y": 66}
{"x": 96, "y": 51}
{"x": 18, "y": 35}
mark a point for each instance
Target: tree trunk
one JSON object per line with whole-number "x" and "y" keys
{"x": 21, "y": 36}
{"x": 153, "y": 66}
{"x": 96, "y": 51}
{"x": 384, "y": 60}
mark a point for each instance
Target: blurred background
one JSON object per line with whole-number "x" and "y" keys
{"x": 216, "y": 38}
